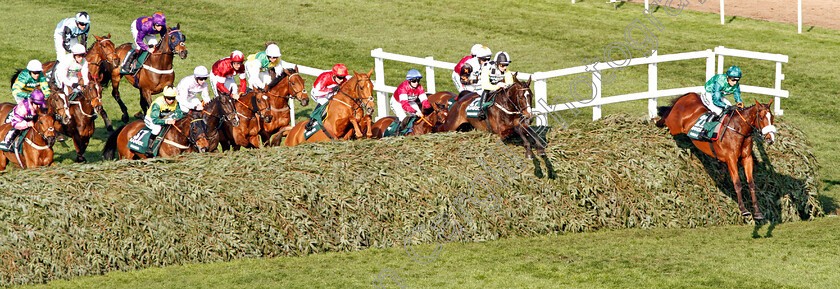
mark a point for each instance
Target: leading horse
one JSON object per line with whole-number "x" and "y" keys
{"x": 157, "y": 71}
{"x": 732, "y": 147}
{"x": 186, "y": 135}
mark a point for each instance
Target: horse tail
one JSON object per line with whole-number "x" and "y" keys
{"x": 109, "y": 152}
{"x": 663, "y": 112}
{"x": 14, "y": 77}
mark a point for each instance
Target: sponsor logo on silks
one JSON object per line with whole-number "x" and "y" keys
{"x": 144, "y": 19}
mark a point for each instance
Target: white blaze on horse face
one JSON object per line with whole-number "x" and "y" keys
{"x": 770, "y": 128}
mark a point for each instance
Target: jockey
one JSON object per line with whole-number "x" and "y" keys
{"x": 472, "y": 68}
{"x": 190, "y": 87}
{"x": 406, "y": 97}
{"x": 71, "y": 31}
{"x": 456, "y": 75}
{"x": 28, "y": 80}
{"x": 326, "y": 85}
{"x": 24, "y": 113}
{"x": 224, "y": 71}
{"x": 72, "y": 70}
{"x": 144, "y": 29}
{"x": 164, "y": 110}
{"x": 720, "y": 85}
{"x": 494, "y": 76}
{"x": 261, "y": 67}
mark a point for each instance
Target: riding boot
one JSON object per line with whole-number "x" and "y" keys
{"x": 482, "y": 114}
{"x": 11, "y": 137}
{"x": 151, "y": 144}
{"x": 129, "y": 66}
{"x": 404, "y": 123}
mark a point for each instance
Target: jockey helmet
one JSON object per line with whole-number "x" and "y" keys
{"x": 200, "y": 71}
{"x": 37, "y": 97}
{"x": 34, "y": 66}
{"x": 237, "y": 56}
{"x": 272, "y": 51}
{"x": 82, "y": 17}
{"x": 475, "y": 49}
{"x": 734, "y": 72}
{"x": 339, "y": 70}
{"x": 483, "y": 52}
{"x": 159, "y": 19}
{"x": 169, "y": 92}
{"x": 502, "y": 58}
{"x": 413, "y": 74}
{"x": 77, "y": 49}
{"x": 152, "y": 42}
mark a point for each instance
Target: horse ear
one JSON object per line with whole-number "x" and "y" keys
{"x": 370, "y": 72}
{"x": 756, "y": 101}
{"x": 771, "y": 101}
{"x": 97, "y": 38}
{"x": 296, "y": 68}
{"x": 109, "y": 35}
{"x": 178, "y": 26}
{"x": 529, "y": 81}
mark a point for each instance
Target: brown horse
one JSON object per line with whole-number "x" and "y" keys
{"x": 732, "y": 147}
{"x": 82, "y": 109}
{"x": 251, "y": 110}
{"x": 350, "y": 105}
{"x": 157, "y": 71}
{"x": 508, "y": 115}
{"x": 421, "y": 126}
{"x": 441, "y": 99}
{"x": 37, "y": 147}
{"x": 279, "y": 91}
{"x": 187, "y": 134}
{"x": 217, "y": 112}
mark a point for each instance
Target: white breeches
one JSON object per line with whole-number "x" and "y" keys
{"x": 155, "y": 127}
{"x": 59, "y": 47}
{"x": 456, "y": 78}
{"x": 399, "y": 112}
{"x": 229, "y": 82}
{"x": 706, "y": 97}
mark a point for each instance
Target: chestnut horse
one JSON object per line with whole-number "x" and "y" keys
{"x": 36, "y": 150}
{"x": 187, "y": 134}
{"x": 280, "y": 90}
{"x": 509, "y": 114}
{"x": 350, "y": 105}
{"x": 733, "y": 146}
{"x": 82, "y": 109}
{"x": 157, "y": 71}
{"x": 217, "y": 112}
{"x": 251, "y": 110}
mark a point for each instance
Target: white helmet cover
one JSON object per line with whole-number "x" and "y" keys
{"x": 476, "y": 49}
{"x": 82, "y": 17}
{"x": 272, "y": 50}
{"x": 200, "y": 71}
{"x": 483, "y": 52}
{"x": 34, "y": 65}
{"x": 78, "y": 49}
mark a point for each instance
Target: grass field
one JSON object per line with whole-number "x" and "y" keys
{"x": 540, "y": 36}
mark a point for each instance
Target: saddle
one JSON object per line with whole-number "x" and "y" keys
{"x": 391, "y": 130}
{"x": 707, "y": 128}
{"x": 138, "y": 63}
{"x": 12, "y": 145}
{"x": 139, "y": 143}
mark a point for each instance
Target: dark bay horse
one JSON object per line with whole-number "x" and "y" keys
{"x": 217, "y": 112}
{"x": 735, "y": 145}
{"x": 37, "y": 147}
{"x": 289, "y": 85}
{"x": 251, "y": 110}
{"x": 187, "y": 134}
{"x": 157, "y": 71}
{"x": 508, "y": 115}
{"x": 81, "y": 125}
{"x": 348, "y": 107}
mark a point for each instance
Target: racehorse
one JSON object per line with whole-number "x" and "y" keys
{"x": 421, "y": 126}
{"x": 441, "y": 99}
{"x": 251, "y": 111}
{"x": 217, "y": 112}
{"x": 731, "y": 147}
{"x": 509, "y": 114}
{"x": 350, "y": 105}
{"x": 187, "y": 134}
{"x": 157, "y": 71}
{"x": 36, "y": 150}
{"x": 280, "y": 90}
{"x": 81, "y": 110}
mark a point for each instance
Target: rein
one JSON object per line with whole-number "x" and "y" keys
{"x": 190, "y": 141}
{"x": 358, "y": 101}
{"x": 107, "y": 55}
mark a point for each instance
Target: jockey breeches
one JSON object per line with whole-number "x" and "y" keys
{"x": 154, "y": 127}
{"x": 706, "y": 97}
{"x": 399, "y": 112}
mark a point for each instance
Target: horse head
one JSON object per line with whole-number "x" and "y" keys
{"x": 362, "y": 90}
{"x": 297, "y": 87}
{"x": 519, "y": 96}
{"x": 175, "y": 41}
{"x": 107, "y": 50}
{"x": 197, "y": 135}
{"x": 764, "y": 121}
{"x": 263, "y": 103}
{"x": 45, "y": 127}
{"x": 59, "y": 107}
{"x": 93, "y": 94}
{"x": 228, "y": 109}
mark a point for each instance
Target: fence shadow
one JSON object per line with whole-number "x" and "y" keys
{"x": 771, "y": 186}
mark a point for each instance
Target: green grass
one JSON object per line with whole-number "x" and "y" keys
{"x": 793, "y": 255}
{"x": 540, "y": 36}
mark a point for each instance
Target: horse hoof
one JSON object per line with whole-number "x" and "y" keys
{"x": 745, "y": 213}
{"x": 758, "y": 216}
{"x": 530, "y": 157}
{"x": 124, "y": 118}
{"x": 110, "y": 129}
{"x": 138, "y": 115}
{"x": 541, "y": 153}
{"x": 81, "y": 159}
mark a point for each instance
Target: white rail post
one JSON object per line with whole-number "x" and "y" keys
{"x": 430, "y": 76}
{"x": 710, "y": 65}
{"x": 652, "y": 86}
{"x": 721, "y": 12}
{"x": 596, "y": 89}
{"x": 541, "y": 99}
{"x": 381, "y": 96}
{"x": 647, "y": 7}
{"x": 779, "y": 76}
{"x": 799, "y": 15}
{"x": 720, "y": 64}
{"x": 292, "y": 110}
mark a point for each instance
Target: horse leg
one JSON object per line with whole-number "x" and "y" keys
{"x": 3, "y": 161}
{"x": 108, "y": 125}
{"x": 115, "y": 92}
{"x": 81, "y": 145}
{"x": 732, "y": 165}
{"x": 525, "y": 142}
{"x": 747, "y": 162}
{"x": 145, "y": 95}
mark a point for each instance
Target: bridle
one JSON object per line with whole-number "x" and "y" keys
{"x": 510, "y": 100}
{"x": 359, "y": 102}
{"x": 112, "y": 56}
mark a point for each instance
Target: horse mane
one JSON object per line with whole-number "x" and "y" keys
{"x": 674, "y": 101}
{"x": 277, "y": 80}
